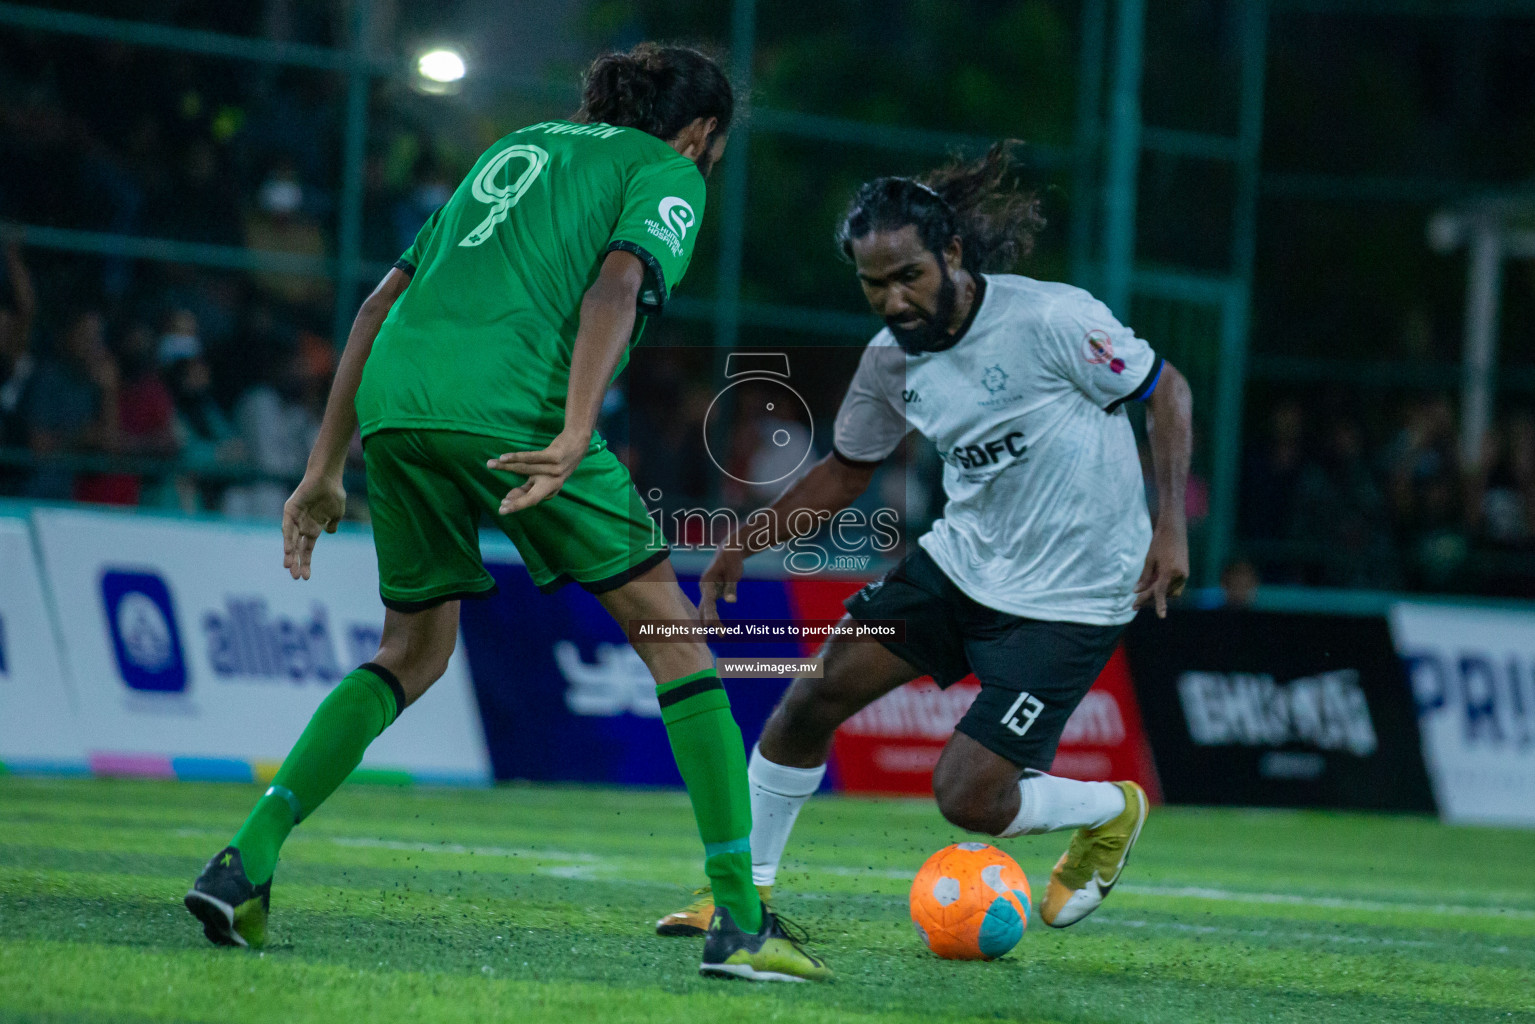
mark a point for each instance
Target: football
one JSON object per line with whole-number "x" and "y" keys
{"x": 970, "y": 901}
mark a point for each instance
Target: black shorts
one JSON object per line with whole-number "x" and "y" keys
{"x": 1033, "y": 673}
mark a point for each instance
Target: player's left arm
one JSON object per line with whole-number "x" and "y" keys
{"x": 1170, "y": 425}
{"x": 647, "y": 254}
{"x": 319, "y": 501}
{"x": 608, "y": 311}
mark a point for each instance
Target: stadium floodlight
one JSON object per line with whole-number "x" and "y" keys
{"x": 440, "y": 71}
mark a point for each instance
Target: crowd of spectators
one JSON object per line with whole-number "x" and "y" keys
{"x": 108, "y": 400}
{"x": 163, "y": 384}
{"x": 1324, "y": 503}
{"x": 107, "y": 359}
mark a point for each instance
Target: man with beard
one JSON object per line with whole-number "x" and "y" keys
{"x": 1045, "y": 550}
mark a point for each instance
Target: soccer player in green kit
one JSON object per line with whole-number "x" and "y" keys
{"x": 475, "y": 371}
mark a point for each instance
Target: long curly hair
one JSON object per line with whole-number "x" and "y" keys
{"x": 982, "y": 201}
{"x": 657, "y": 89}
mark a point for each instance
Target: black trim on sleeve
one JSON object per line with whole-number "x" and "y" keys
{"x": 406, "y": 266}
{"x": 855, "y": 463}
{"x": 652, "y": 270}
{"x": 1141, "y": 389}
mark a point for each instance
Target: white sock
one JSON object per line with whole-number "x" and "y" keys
{"x": 778, "y": 792}
{"x": 1048, "y": 803}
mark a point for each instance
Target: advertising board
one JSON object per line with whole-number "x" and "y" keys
{"x": 194, "y": 655}
{"x": 1473, "y": 681}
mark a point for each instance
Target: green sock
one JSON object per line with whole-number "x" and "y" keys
{"x": 360, "y": 707}
{"x": 707, "y": 745}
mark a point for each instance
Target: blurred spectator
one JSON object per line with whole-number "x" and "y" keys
{"x": 145, "y": 423}
{"x": 16, "y": 363}
{"x": 1341, "y": 514}
{"x": 279, "y": 223}
{"x": 1421, "y": 465}
{"x": 278, "y": 419}
{"x": 1501, "y": 493}
{"x": 71, "y": 405}
{"x": 1238, "y": 588}
{"x": 434, "y": 186}
{"x": 1239, "y": 584}
{"x": 1423, "y": 473}
{"x": 1270, "y": 474}
{"x": 206, "y": 437}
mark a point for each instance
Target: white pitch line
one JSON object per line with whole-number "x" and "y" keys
{"x": 1190, "y": 892}
{"x": 585, "y": 865}
{"x": 1261, "y": 933}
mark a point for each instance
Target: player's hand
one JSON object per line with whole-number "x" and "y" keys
{"x": 316, "y": 505}
{"x": 546, "y": 470}
{"x": 1167, "y": 568}
{"x": 719, "y": 581}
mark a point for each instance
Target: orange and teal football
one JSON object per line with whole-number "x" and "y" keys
{"x": 970, "y": 901}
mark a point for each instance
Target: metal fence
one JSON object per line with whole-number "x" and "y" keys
{"x": 1200, "y": 319}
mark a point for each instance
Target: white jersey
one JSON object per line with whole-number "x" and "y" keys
{"x": 1046, "y": 514}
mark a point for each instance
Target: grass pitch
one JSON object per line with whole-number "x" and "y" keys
{"x": 532, "y": 904}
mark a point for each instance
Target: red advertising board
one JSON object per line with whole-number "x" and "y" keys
{"x": 892, "y": 745}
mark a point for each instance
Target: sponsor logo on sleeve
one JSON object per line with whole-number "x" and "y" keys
{"x": 1098, "y": 350}
{"x": 676, "y": 218}
{"x": 142, "y": 619}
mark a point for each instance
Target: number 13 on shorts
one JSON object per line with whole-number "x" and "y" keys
{"x": 1022, "y": 714}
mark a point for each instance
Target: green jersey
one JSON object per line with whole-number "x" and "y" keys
{"x": 481, "y": 341}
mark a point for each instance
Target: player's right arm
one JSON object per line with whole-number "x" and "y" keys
{"x": 831, "y": 486}
{"x": 319, "y": 501}
{"x": 869, "y": 426}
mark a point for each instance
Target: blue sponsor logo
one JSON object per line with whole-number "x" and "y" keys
{"x": 142, "y": 619}
{"x": 248, "y": 640}
{"x": 1491, "y": 694}
{"x": 3, "y": 669}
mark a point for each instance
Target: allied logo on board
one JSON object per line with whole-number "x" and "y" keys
{"x": 243, "y": 639}
{"x": 145, "y": 641}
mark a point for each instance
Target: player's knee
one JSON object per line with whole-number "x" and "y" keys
{"x": 967, "y": 805}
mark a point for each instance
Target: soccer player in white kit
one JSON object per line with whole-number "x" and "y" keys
{"x": 1045, "y": 550}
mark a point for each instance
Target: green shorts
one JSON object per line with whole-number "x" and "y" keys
{"x": 427, "y": 490}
